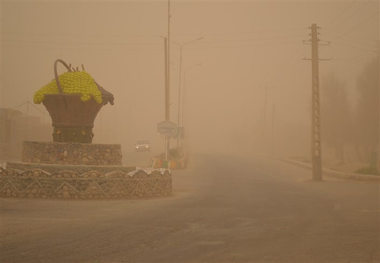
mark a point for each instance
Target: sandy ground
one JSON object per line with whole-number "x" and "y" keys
{"x": 223, "y": 209}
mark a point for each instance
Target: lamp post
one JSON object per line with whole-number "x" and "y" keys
{"x": 181, "y": 46}
{"x": 378, "y": 116}
{"x": 180, "y": 122}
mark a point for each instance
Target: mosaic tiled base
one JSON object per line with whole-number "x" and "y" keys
{"x": 52, "y": 168}
{"x": 92, "y": 184}
{"x": 71, "y": 153}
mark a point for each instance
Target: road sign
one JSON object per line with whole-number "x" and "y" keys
{"x": 167, "y": 128}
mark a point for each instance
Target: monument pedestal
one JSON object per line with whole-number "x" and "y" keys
{"x": 71, "y": 153}
{"x": 79, "y": 171}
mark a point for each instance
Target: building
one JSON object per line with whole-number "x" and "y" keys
{"x": 16, "y": 127}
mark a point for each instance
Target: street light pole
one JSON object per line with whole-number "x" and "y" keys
{"x": 181, "y": 45}
{"x": 184, "y": 89}
{"x": 179, "y": 91}
{"x": 167, "y": 93}
{"x": 167, "y": 109}
{"x": 168, "y": 63}
{"x": 378, "y": 117}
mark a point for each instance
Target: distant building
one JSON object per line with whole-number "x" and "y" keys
{"x": 16, "y": 127}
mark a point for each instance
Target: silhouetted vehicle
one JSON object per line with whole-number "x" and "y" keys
{"x": 142, "y": 146}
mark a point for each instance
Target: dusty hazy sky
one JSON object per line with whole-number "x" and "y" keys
{"x": 248, "y": 47}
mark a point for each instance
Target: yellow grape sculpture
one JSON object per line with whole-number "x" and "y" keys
{"x": 72, "y": 82}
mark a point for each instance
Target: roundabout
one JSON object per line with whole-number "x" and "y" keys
{"x": 71, "y": 167}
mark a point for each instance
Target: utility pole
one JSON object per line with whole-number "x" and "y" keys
{"x": 179, "y": 93}
{"x": 316, "y": 153}
{"x": 166, "y": 93}
{"x": 167, "y": 86}
{"x": 273, "y": 130}
{"x": 263, "y": 124}
{"x": 315, "y": 108}
{"x": 167, "y": 113}
{"x": 265, "y": 108}
{"x": 378, "y": 114}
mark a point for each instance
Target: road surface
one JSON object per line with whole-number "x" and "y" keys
{"x": 223, "y": 209}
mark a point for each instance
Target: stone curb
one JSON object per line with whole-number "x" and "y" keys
{"x": 338, "y": 174}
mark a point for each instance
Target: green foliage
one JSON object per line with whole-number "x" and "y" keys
{"x": 336, "y": 114}
{"x": 367, "y": 118}
{"x": 368, "y": 170}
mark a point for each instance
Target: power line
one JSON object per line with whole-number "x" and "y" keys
{"x": 255, "y": 33}
{"x": 368, "y": 42}
{"x": 374, "y": 50}
{"x": 350, "y": 59}
{"x": 211, "y": 45}
{"x": 123, "y": 42}
{"x": 28, "y": 104}
{"x": 248, "y": 41}
{"x": 23, "y": 41}
{"x": 270, "y": 38}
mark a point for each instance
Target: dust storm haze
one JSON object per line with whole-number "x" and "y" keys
{"x": 240, "y": 79}
{"x": 245, "y": 85}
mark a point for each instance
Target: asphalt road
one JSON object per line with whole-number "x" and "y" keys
{"x": 223, "y": 209}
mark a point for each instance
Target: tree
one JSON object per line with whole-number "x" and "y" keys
{"x": 367, "y": 111}
{"x": 335, "y": 115}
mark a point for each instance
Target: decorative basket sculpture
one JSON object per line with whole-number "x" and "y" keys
{"x": 73, "y": 100}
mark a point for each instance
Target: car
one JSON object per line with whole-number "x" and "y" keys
{"x": 142, "y": 146}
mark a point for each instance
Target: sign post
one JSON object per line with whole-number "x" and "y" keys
{"x": 168, "y": 129}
